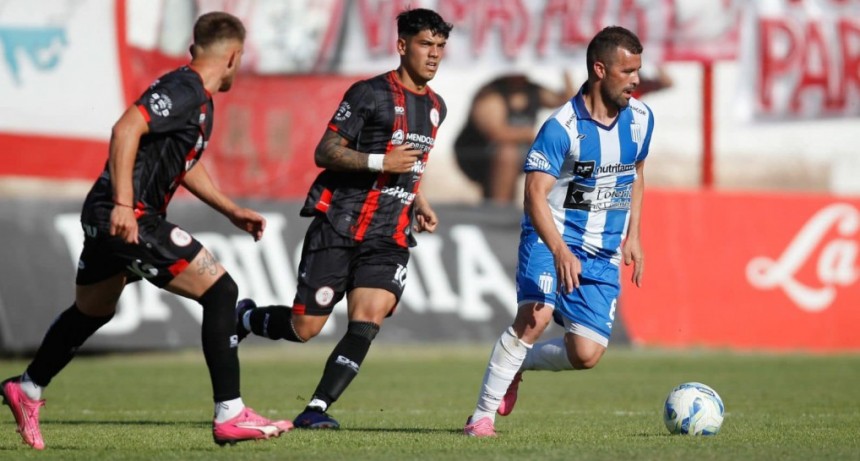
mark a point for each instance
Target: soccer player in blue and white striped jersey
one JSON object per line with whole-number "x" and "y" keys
{"x": 583, "y": 202}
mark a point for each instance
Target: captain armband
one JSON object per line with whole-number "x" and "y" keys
{"x": 374, "y": 162}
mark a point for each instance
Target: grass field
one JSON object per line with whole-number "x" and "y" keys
{"x": 410, "y": 402}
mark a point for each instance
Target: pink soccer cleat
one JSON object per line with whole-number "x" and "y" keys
{"x": 510, "y": 398}
{"x": 480, "y": 428}
{"x": 26, "y": 412}
{"x": 247, "y": 425}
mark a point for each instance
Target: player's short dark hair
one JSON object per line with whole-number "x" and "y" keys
{"x": 411, "y": 22}
{"x": 602, "y": 46}
{"x": 216, "y": 26}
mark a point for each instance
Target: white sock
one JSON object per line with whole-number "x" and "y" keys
{"x": 33, "y": 390}
{"x": 317, "y": 403}
{"x": 228, "y": 409}
{"x": 505, "y": 361}
{"x": 550, "y": 355}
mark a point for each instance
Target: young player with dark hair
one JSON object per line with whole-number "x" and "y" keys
{"x": 365, "y": 205}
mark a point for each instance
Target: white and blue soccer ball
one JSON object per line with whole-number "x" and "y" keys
{"x": 693, "y": 409}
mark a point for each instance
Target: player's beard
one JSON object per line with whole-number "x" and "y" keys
{"x": 617, "y": 98}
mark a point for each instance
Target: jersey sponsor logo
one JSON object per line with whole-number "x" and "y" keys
{"x": 399, "y": 110}
{"x": 344, "y": 111}
{"x": 616, "y": 168}
{"x": 405, "y": 196}
{"x": 546, "y": 283}
{"x": 584, "y": 169}
{"x": 160, "y": 104}
{"x": 434, "y": 117}
{"x": 324, "y": 296}
{"x": 582, "y": 197}
{"x": 428, "y": 141}
{"x": 419, "y": 166}
{"x": 397, "y": 138}
{"x": 537, "y": 161}
{"x": 142, "y": 270}
{"x": 179, "y": 237}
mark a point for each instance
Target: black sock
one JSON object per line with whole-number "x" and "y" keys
{"x": 68, "y": 332}
{"x": 274, "y": 322}
{"x": 345, "y": 360}
{"x": 220, "y": 343}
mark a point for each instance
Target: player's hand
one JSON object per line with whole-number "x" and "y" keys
{"x": 249, "y": 221}
{"x": 425, "y": 219}
{"x": 401, "y": 159}
{"x": 567, "y": 269}
{"x": 633, "y": 254}
{"x": 123, "y": 223}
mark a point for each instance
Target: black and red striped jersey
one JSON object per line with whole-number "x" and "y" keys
{"x": 179, "y": 112}
{"x": 375, "y": 116}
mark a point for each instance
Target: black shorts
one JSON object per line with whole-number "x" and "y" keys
{"x": 332, "y": 265}
{"x": 163, "y": 251}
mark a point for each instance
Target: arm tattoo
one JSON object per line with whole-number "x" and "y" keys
{"x": 207, "y": 263}
{"x": 333, "y": 154}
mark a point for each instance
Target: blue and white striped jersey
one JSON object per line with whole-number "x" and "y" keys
{"x": 595, "y": 166}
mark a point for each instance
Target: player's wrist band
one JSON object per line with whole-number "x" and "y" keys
{"x": 374, "y": 162}
{"x": 122, "y": 204}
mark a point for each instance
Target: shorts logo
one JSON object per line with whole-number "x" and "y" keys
{"x": 397, "y": 138}
{"x": 179, "y": 237}
{"x": 434, "y": 117}
{"x": 324, "y": 296}
{"x": 142, "y": 270}
{"x": 344, "y": 111}
{"x": 400, "y": 276}
{"x": 545, "y": 283}
{"x": 160, "y": 104}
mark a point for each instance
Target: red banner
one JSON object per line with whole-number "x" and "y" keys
{"x": 748, "y": 271}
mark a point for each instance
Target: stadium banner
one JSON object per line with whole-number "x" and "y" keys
{"x": 60, "y": 83}
{"x": 459, "y": 282}
{"x": 800, "y": 59}
{"x": 357, "y": 37}
{"x": 748, "y": 271}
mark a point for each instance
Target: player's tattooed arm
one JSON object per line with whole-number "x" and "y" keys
{"x": 332, "y": 153}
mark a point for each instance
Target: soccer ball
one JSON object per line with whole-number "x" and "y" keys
{"x": 693, "y": 409}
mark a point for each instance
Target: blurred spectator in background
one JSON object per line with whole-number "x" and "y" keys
{"x": 501, "y": 125}
{"x": 493, "y": 144}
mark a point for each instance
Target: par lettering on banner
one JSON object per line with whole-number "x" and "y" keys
{"x": 801, "y": 59}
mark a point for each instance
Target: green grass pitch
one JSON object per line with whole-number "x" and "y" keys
{"x": 410, "y": 402}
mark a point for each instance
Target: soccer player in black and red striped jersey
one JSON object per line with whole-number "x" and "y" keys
{"x": 155, "y": 147}
{"x": 366, "y": 203}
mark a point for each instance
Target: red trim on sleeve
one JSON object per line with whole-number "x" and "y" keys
{"x": 298, "y": 309}
{"x": 144, "y": 112}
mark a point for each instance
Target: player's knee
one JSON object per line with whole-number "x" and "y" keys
{"x": 223, "y": 293}
{"x": 364, "y": 330}
{"x": 584, "y": 360}
{"x": 307, "y": 327}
